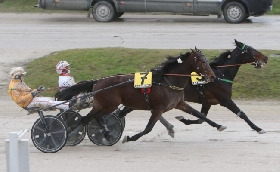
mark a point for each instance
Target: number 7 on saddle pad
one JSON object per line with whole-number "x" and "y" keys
{"x": 142, "y": 79}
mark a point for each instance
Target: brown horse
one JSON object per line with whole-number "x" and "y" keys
{"x": 166, "y": 93}
{"x": 225, "y": 68}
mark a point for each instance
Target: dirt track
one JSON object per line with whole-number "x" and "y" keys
{"x": 195, "y": 148}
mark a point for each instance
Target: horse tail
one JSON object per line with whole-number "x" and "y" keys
{"x": 80, "y": 87}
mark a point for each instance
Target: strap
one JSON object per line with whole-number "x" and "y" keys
{"x": 225, "y": 80}
{"x": 173, "y": 87}
{"x": 146, "y": 95}
{"x": 176, "y": 88}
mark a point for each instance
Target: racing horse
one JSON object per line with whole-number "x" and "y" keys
{"x": 225, "y": 68}
{"x": 166, "y": 92}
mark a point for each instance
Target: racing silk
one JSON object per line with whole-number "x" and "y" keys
{"x": 65, "y": 82}
{"x": 20, "y": 93}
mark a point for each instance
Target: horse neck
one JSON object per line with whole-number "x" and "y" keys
{"x": 230, "y": 72}
{"x": 183, "y": 69}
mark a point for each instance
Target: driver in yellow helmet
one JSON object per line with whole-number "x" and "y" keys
{"x": 25, "y": 97}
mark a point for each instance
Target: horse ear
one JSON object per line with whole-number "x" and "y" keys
{"x": 195, "y": 48}
{"x": 237, "y": 43}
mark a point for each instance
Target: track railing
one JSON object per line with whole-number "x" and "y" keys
{"x": 17, "y": 152}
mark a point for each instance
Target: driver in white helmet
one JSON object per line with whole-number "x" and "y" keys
{"x": 25, "y": 97}
{"x": 65, "y": 80}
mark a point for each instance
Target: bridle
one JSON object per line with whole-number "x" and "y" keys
{"x": 244, "y": 50}
{"x": 248, "y": 50}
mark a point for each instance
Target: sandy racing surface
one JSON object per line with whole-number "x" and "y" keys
{"x": 198, "y": 148}
{"x": 195, "y": 148}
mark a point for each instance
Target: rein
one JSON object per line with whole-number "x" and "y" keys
{"x": 171, "y": 74}
{"x": 233, "y": 65}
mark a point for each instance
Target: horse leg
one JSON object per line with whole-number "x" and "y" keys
{"x": 232, "y": 107}
{"x": 204, "y": 110}
{"x": 168, "y": 126}
{"x": 188, "y": 109}
{"x": 164, "y": 122}
{"x": 153, "y": 119}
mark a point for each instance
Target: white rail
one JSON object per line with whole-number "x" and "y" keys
{"x": 17, "y": 152}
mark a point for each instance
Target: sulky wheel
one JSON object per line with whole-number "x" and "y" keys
{"x": 123, "y": 121}
{"x": 76, "y": 132}
{"x": 49, "y": 140}
{"x": 95, "y": 131}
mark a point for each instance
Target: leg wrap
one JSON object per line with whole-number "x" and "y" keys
{"x": 125, "y": 111}
{"x": 242, "y": 115}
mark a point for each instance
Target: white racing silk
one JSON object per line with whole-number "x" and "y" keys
{"x": 65, "y": 82}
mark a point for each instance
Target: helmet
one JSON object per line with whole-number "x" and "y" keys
{"x": 17, "y": 71}
{"x": 62, "y": 66}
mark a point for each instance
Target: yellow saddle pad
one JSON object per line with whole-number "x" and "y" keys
{"x": 143, "y": 79}
{"x": 196, "y": 79}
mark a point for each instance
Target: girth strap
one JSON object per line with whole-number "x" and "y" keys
{"x": 146, "y": 95}
{"x": 200, "y": 89}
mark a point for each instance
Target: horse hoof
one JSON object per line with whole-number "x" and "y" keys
{"x": 171, "y": 132}
{"x": 261, "y": 132}
{"x": 179, "y": 117}
{"x": 125, "y": 139}
{"x": 222, "y": 128}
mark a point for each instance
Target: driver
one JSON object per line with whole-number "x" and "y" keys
{"x": 25, "y": 97}
{"x": 65, "y": 81}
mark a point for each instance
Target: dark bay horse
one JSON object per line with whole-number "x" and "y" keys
{"x": 225, "y": 68}
{"x": 166, "y": 93}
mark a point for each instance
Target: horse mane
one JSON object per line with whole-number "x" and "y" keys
{"x": 171, "y": 61}
{"x": 218, "y": 61}
{"x": 159, "y": 71}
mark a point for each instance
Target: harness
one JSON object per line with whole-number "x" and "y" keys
{"x": 143, "y": 80}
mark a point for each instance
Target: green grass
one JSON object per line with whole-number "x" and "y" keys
{"x": 28, "y": 6}
{"x": 87, "y": 64}
{"x": 276, "y": 7}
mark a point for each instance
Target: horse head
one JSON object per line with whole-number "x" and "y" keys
{"x": 202, "y": 66}
{"x": 251, "y": 55}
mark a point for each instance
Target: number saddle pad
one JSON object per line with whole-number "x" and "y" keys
{"x": 197, "y": 79}
{"x": 142, "y": 79}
